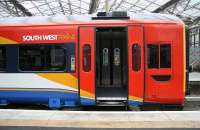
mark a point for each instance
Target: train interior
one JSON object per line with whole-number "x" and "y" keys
{"x": 111, "y": 63}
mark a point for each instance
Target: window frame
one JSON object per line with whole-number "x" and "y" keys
{"x": 43, "y": 71}
{"x": 159, "y": 44}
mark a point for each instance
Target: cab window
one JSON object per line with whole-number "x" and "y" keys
{"x": 159, "y": 56}
{"x": 165, "y": 56}
{"x": 153, "y": 58}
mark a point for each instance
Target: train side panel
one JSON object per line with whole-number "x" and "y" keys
{"x": 165, "y": 80}
{"x": 34, "y": 84}
{"x": 160, "y": 78}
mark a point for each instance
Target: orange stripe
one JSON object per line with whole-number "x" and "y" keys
{"x": 135, "y": 98}
{"x": 61, "y": 78}
{"x": 86, "y": 94}
{"x": 4, "y": 40}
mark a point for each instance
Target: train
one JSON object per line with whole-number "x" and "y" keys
{"x": 115, "y": 58}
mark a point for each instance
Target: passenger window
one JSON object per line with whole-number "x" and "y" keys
{"x": 153, "y": 58}
{"x": 165, "y": 56}
{"x": 42, "y": 58}
{"x": 2, "y": 58}
{"x": 136, "y": 57}
{"x": 86, "y": 58}
{"x": 57, "y": 58}
{"x": 31, "y": 58}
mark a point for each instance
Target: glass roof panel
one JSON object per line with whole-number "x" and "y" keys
{"x": 183, "y": 8}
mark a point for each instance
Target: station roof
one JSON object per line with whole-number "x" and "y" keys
{"x": 188, "y": 10}
{"x": 87, "y": 19}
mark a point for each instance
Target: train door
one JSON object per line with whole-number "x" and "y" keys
{"x": 136, "y": 64}
{"x": 86, "y": 66}
{"x": 111, "y": 63}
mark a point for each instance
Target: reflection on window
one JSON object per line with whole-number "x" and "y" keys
{"x": 42, "y": 58}
{"x": 136, "y": 57}
{"x": 57, "y": 57}
{"x": 86, "y": 58}
{"x": 116, "y": 56}
{"x": 153, "y": 58}
{"x": 165, "y": 56}
{"x": 2, "y": 58}
{"x": 105, "y": 56}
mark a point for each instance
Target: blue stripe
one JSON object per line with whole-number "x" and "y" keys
{"x": 87, "y": 101}
{"x": 134, "y": 103}
{"x": 41, "y": 97}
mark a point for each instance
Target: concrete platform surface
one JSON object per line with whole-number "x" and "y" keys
{"x": 98, "y": 119}
{"x": 194, "y": 76}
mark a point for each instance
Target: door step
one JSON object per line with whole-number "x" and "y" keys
{"x": 111, "y": 101}
{"x": 192, "y": 98}
{"x": 111, "y": 98}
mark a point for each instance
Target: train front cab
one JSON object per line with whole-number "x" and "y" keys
{"x": 131, "y": 65}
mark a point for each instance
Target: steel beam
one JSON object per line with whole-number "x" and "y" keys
{"x": 20, "y": 7}
{"x": 47, "y": 3}
{"x": 165, "y": 6}
{"x": 197, "y": 20}
{"x": 7, "y": 8}
{"x": 113, "y": 4}
{"x": 70, "y": 7}
{"x": 61, "y": 7}
{"x": 120, "y": 3}
{"x": 93, "y": 6}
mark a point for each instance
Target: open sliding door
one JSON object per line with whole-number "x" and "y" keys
{"x": 86, "y": 66}
{"x": 136, "y": 64}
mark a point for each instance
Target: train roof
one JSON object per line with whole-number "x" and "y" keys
{"x": 87, "y": 19}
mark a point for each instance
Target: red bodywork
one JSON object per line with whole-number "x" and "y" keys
{"x": 141, "y": 86}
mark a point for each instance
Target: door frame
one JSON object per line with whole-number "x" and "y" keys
{"x": 143, "y": 50}
{"x": 79, "y": 65}
{"x": 78, "y": 53}
{"x": 127, "y": 52}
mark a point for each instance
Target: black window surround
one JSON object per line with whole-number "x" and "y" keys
{"x": 42, "y": 58}
{"x": 159, "y": 56}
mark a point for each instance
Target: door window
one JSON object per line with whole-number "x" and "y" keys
{"x": 86, "y": 58}
{"x": 136, "y": 57}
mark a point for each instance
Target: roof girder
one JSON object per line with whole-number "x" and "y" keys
{"x": 93, "y": 6}
{"x": 21, "y": 7}
{"x": 166, "y": 5}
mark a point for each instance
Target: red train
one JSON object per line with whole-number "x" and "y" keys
{"x": 93, "y": 60}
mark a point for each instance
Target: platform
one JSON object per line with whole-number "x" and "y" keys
{"x": 99, "y": 119}
{"x": 194, "y": 77}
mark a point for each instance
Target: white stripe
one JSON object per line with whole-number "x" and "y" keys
{"x": 29, "y": 81}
